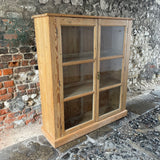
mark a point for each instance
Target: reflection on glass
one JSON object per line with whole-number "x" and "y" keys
{"x": 109, "y": 100}
{"x": 111, "y": 41}
{"x": 77, "y": 43}
{"x": 110, "y": 72}
{"x": 77, "y": 79}
{"x": 77, "y": 111}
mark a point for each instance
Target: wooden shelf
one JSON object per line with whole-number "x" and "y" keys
{"x": 80, "y": 90}
{"x": 78, "y": 62}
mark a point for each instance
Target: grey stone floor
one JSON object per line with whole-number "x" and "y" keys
{"x": 135, "y": 137}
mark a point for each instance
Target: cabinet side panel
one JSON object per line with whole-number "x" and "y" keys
{"x": 45, "y": 73}
{"x": 129, "y": 26}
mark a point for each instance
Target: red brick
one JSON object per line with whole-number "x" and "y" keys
{"x": 32, "y": 91}
{"x": 10, "y": 36}
{"x": 13, "y": 64}
{"x": 7, "y": 71}
{"x": 1, "y": 85}
{"x": 24, "y": 63}
{"x": 28, "y": 121}
{"x": 8, "y": 84}
{"x": 11, "y": 90}
{"x": 9, "y": 120}
{"x": 22, "y": 69}
{"x": 3, "y": 91}
{"x": 17, "y": 57}
{"x": 23, "y": 87}
{"x": 22, "y": 116}
{"x": 6, "y": 97}
{"x": 4, "y": 111}
{"x": 33, "y": 62}
{"x": 13, "y": 114}
{"x": 2, "y": 118}
{"x": 0, "y": 72}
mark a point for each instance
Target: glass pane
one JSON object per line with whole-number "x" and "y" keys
{"x": 110, "y": 72}
{"x": 111, "y": 41}
{"x": 77, "y": 43}
{"x": 77, "y": 79}
{"x": 78, "y": 111}
{"x": 109, "y": 100}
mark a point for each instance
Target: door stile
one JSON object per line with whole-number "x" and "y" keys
{"x": 58, "y": 31}
{"x": 123, "y": 68}
{"x": 95, "y": 73}
{"x": 127, "y": 54}
{"x": 98, "y": 66}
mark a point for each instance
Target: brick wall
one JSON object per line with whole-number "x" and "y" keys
{"x": 19, "y": 83}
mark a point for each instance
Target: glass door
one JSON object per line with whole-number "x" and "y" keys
{"x": 78, "y": 55}
{"x": 110, "y": 68}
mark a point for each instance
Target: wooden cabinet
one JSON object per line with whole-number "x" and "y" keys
{"x": 83, "y": 67}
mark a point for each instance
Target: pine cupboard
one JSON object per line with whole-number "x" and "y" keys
{"x": 83, "y": 70}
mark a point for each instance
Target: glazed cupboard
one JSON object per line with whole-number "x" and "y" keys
{"x": 83, "y": 67}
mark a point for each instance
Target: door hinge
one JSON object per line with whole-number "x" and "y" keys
{"x": 98, "y": 75}
{"x": 59, "y": 83}
{"x": 56, "y": 32}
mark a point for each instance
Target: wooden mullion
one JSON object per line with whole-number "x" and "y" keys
{"x": 111, "y": 57}
{"x": 78, "y": 96}
{"x": 78, "y": 62}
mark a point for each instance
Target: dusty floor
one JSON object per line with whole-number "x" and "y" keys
{"x": 134, "y": 137}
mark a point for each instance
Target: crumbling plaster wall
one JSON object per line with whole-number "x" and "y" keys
{"x": 19, "y": 84}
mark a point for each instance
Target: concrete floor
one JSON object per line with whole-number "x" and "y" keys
{"x": 134, "y": 137}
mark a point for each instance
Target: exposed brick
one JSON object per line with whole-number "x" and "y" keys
{"x": 24, "y": 49}
{"x": 13, "y": 114}
{"x": 6, "y": 58}
{"x": 8, "y": 84}
{"x": 17, "y": 57}
{"x": 3, "y": 111}
{"x": 32, "y": 91}
{"x": 1, "y": 85}
{"x": 24, "y": 63}
{"x": 3, "y": 65}
{"x": 28, "y": 56}
{"x": 10, "y": 36}
{"x": 22, "y": 93}
{"x": 23, "y": 87}
{"x": 28, "y": 121}
{"x": 4, "y": 78}
{"x": 7, "y": 71}
{"x": 11, "y": 90}
{"x": 33, "y": 85}
{"x": 10, "y": 120}
{"x": 33, "y": 62}
{"x": 3, "y": 50}
{"x": 0, "y": 72}
{"x": 13, "y": 50}
{"x": 3, "y": 91}
{"x": 22, "y": 69}
{"x": 2, "y": 118}
{"x": 6, "y": 97}
{"x": 13, "y": 64}
{"x": 22, "y": 116}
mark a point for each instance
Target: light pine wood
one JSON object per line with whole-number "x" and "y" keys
{"x": 111, "y": 57}
{"x": 52, "y": 87}
{"x": 79, "y": 16}
{"x": 90, "y": 128}
{"x": 129, "y": 26}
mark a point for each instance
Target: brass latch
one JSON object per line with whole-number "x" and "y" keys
{"x": 98, "y": 75}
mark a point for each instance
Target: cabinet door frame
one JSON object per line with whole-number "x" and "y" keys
{"x": 122, "y": 85}
{"x": 62, "y": 21}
